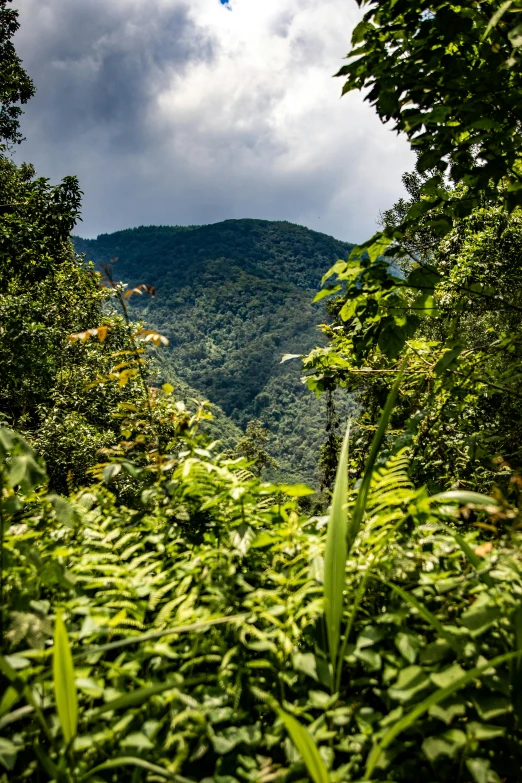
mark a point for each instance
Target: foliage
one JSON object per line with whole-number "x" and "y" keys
{"x": 448, "y": 75}
{"x": 233, "y": 298}
{"x": 252, "y": 447}
{"x": 204, "y": 639}
{"x": 176, "y": 617}
{"x": 15, "y": 85}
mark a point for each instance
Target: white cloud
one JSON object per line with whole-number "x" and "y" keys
{"x": 172, "y": 112}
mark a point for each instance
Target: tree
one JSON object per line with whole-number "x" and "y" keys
{"x": 448, "y": 75}
{"x": 252, "y": 446}
{"x": 15, "y": 85}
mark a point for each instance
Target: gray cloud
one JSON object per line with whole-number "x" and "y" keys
{"x": 178, "y": 112}
{"x": 99, "y": 64}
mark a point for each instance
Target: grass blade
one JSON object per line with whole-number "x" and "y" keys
{"x": 362, "y": 495}
{"x": 134, "y": 761}
{"x": 349, "y": 625}
{"x": 428, "y": 616}
{"x": 147, "y": 637}
{"x": 306, "y": 746}
{"x": 436, "y": 697}
{"x": 516, "y": 670}
{"x": 64, "y": 684}
{"x": 336, "y": 553}
{"x": 132, "y": 699}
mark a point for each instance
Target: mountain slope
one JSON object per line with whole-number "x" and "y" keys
{"x": 232, "y": 298}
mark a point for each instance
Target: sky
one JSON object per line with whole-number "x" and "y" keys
{"x": 182, "y": 112}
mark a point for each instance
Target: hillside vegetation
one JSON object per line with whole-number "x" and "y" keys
{"x": 168, "y": 614}
{"x": 232, "y": 298}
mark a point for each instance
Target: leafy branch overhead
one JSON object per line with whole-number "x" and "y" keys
{"x": 448, "y": 75}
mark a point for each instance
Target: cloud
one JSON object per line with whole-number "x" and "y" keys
{"x": 192, "y": 112}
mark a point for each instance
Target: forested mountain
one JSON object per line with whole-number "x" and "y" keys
{"x": 233, "y": 298}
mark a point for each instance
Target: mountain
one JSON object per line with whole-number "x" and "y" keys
{"x": 232, "y": 298}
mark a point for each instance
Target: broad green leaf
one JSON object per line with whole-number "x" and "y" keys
{"x": 306, "y": 746}
{"x": 306, "y": 663}
{"x": 479, "y": 768}
{"x": 480, "y": 615}
{"x": 349, "y": 307}
{"x": 425, "y": 306}
{"x": 337, "y": 268}
{"x": 378, "y": 248}
{"x": 484, "y": 731}
{"x": 326, "y": 292}
{"x": 64, "y": 682}
{"x": 408, "y": 646}
{"x": 428, "y": 616}
{"x": 24, "y": 471}
{"x": 8, "y": 753}
{"x": 440, "y": 695}
{"x": 296, "y": 490}
{"x": 411, "y": 681}
{"x": 111, "y": 471}
{"x": 445, "y": 360}
{"x": 335, "y": 554}
{"x": 288, "y": 356}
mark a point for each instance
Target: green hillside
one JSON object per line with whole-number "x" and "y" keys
{"x": 232, "y": 298}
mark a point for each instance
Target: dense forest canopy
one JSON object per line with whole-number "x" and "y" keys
{"x": 166, "y": 613}
{"x": 233, "y": 298}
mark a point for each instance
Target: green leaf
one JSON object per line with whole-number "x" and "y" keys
{"x": 440, "y": 695}
{"x": 408, "y": 646}
{"x": 463, "y": 498}
{"x": 64, "y": 684}
{"x": 296, "y": 490}
{"x": 135, "y": 698}
{"x": 424, "y": 277}
{"x": 481, "y": 615}
{"x": 8, "y": 753}
{"x": 497, "y": 16}
{"x": 306, "y": 746}
{"x": 306, "y": 663}
{"x": 425, "y": 306}
{"x": 411, "y": 681}
{"x": 288, "y": 356}
{"x": 24, "y": 471}
{"x": 479, "y": 768}
{"x": 484, "y": 731}
{"x": 64, "y": 511}
{"x": 349, "y": 307}
{"x": 147, "y": 637}
{"x": 137, "y": 741}
{"x": 448, "y": 676}
{"x": 336, "y": 553}
{"x": 132, "y": 761}
{"x": 445, "y": 360}
{"x": 326, "y": 292}
{"x": 428, "y": 616}
{"x": 337, "y": 268}
{"x": 378, "y": 248}
{"x": 111, "y": 471}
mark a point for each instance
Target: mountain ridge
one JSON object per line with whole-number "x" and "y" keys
{"x": 233, "y": 297}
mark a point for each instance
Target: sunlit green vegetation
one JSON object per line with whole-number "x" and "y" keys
{"x": 168, "y": 614}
